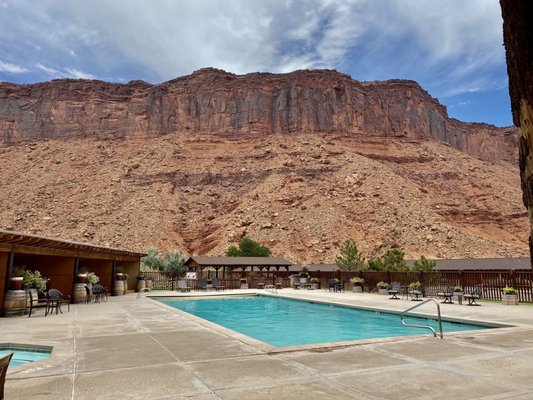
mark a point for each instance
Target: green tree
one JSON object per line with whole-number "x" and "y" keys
{"x": 248, "y": 248}
{"x": 394, "y": 260}
{"x": 171, "y": 263}
{"x": 424, "y": 264}
{"x": 350, "y": 258}
{"x": 376, "y": 264}
{"x": 152, "y": 260}
{"x": 174, "y": 263}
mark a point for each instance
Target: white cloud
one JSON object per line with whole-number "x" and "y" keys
{"x": 12, "y": 68}
{"x": 77, "y": 74}
{"x": 448, "y": 45}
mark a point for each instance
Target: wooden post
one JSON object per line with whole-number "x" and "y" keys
{"x": 9, "y": 270}
{"x": 76, "y": 267}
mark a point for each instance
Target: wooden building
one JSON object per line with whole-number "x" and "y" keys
{"x": 199, "y": 263}
{"x": 62, "y": 260}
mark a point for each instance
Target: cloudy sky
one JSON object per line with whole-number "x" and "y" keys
{"x": 453, "y": 48}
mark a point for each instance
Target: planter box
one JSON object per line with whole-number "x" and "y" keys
{"x": 383, "y": 291}
{"x": 357, "y": 289}
{"x": 510, "y": 299}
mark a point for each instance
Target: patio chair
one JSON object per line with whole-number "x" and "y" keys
{"x": 332, "y": 285}
{"x": 39, "y": 303}
{"x": 394, "y": 290}
{"x": 296, "y": 284}
{"x": 202, "y": 284}
{"x": 279, "y": 282}
{"x": 182, "y": 286}
{"x": 215, "y": 283}
{"x": 416, "y": 293}
{"x": 447, "y": 294}
{"x": 260, "y": 282}
{"x": 98, "y": 291}
{"x": 56, "y": 300}
{"x": 4, "y": 363}
{"x": 472, "y": 296}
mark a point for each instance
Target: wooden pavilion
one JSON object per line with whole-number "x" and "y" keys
{"x": 62, "y": 260}
{"x": 199, "y": 263}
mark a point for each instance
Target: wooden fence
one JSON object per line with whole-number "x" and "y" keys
{"x": 433, "y": 282}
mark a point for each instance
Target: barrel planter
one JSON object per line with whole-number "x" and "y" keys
{"x": 141, "y": 284}
{"x": 149, "y": 284}
{"x": 125, "y": 286}
{"x": 119, "y": 276}
{"x": 118, "y": 288}
{"x": 14, "y": 303}
{"x": 79, "y": 294}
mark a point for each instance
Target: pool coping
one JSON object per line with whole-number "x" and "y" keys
{"x": 270, "y": 349}
{"x": 33, "y": 348}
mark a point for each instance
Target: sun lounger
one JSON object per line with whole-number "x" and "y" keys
{"x": 182, "y": 286}
{"x": 215, "y": 283}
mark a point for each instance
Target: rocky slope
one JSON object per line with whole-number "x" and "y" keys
{"x": 302, "y": 196}
{"x": 214, "y": 101}
{"x": 300, "y": 162}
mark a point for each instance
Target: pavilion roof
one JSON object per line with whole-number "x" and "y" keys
{"x": 239, "y": 261}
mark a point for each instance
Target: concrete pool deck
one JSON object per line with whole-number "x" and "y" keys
{"x": 136, "y": 348}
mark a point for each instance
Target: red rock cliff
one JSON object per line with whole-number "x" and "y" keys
{"x": 215, "y": 101}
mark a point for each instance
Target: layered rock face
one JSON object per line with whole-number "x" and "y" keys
{"x": 217, "y": 102}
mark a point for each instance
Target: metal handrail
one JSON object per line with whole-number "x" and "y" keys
{"x": 271, "y": 288}
{"x": 424, "y": 326}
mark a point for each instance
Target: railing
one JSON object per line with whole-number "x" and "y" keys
{"x": 433, "y": 282}
{"x": 424, "y": 326}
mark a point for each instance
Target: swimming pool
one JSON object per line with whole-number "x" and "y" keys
{"x": 286, "y": 322}
{"x": 23, "y": 355}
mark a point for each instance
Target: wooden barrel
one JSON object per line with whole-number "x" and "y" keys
{"x": 125, "y": 286}
{"x": 149, "y": 284}
{"x": 14, "y": 303}
{"x": 141, "y": 284}
{"x": 80, "y": 293}
{"x": 118, "y": 288}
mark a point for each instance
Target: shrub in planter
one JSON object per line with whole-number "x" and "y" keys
{"x": 357, "y": 283}
{"x": 415, "y": 285}
{"x": 509, "y": 296}
{"x": 92, "y": 278}
{"x": 383, "y": 287}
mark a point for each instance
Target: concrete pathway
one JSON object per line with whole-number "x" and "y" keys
{"x": 136, "y": 348}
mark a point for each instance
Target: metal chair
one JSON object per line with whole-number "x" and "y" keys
{"x": 4, "y": 363}
{"x": 475, "y": 294}
{"x": 39, "y": 303}
{"x": 97, "y": 292}
{"x": 55, "y": 299}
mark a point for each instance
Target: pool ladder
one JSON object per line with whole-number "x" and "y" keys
{"x": 271, "y": 288}
{"x": 424, "y": 326}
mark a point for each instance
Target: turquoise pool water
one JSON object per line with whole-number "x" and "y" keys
{"x": 284, "y": 322}
{"x": 24, "y": 356}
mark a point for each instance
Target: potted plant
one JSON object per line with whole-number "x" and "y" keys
{"x": 81, "y": 278}
{"x": 315, "y": 282}
{"x": 357, "y": 283}
{"x": 34, "y": 282}
{"x": 17, "y": 277}
{"x": 91, "y": 278}
{"x": 509, "y": 296}
{"x": 382, "y": 287}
